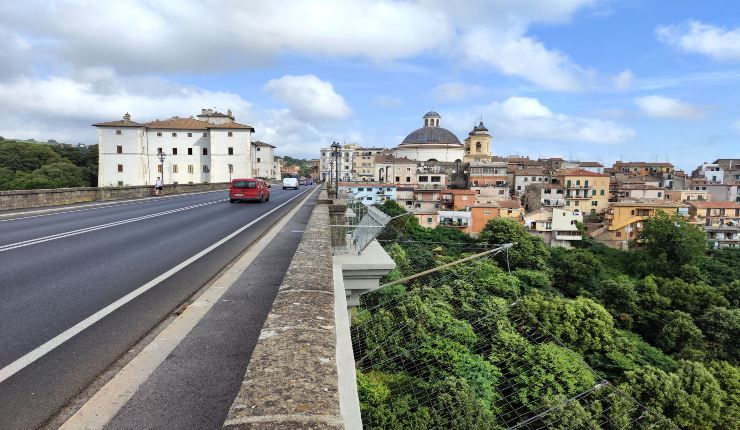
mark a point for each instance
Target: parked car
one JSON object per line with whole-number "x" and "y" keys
{"x": 290, "y": 183}
{"x": 302, "y": 182}
{"x": 309, "y": 181}
{"x": 246, "y": 189}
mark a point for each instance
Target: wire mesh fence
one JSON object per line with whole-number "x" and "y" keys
{"x": 447, "y": 343}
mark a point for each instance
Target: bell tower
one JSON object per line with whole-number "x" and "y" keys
{"x": 478, "y": 144}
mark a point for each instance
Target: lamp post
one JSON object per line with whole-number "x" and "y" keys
{"x": 335, "y": 152}
{"x": 231, "y": 169}
{"x": 161, "y": 163}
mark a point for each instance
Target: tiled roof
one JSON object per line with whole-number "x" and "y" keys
{"x": 530, "y": 172}
{"x": 259, "y": 143}
{"x": 639, "y": 187}
{"x": 509, "y": 204}
{"x": 712, "y": 205}
{"x": 580, "y": 172}
{"x": 232, "y": 125}
{"x": 119, "y": 123}
{"x": 641, "y": 164}
{"x": 648, "y": 203}
{"x": 177, "y": 123}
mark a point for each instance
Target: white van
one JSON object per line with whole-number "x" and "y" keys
{"x": 290, "y": 183}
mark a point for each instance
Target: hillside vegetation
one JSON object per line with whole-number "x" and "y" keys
{"x": 29, "y": 165}
{"x": 660, "y": 322}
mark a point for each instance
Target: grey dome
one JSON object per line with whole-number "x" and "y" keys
{"x": 432, "y": 114}
{"x": 431, "y": 135}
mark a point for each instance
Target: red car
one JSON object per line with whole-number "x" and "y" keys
{"x": 249, "y": 189}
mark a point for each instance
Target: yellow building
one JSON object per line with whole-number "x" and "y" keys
{"x": 624, "y": 220}
{"x": 584, "y": 190}
{"x": 363, "y": 163}
{"x": 478, "y": 144}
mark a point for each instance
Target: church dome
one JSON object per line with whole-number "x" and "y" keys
{"x": 431, "y": 135}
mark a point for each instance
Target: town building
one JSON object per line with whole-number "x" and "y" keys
{"x": 639, "y": 191}
{"x": 718, "y": 192}
{"x": 211, "y": 148}
{"x": 556, "y": 227}
{"x": 277, "y": 166}
{"x": 478, "y": 144}
{"x": 490, "y": 180}
{"x": 370, "y": 194}
{"x": 543, "y": 196}
{"x": 431, "y": 143}
{"x": 584, "y": 190}
{"x": 263, "y": 160}
{"x": 721, "y": 221}
{"x": 458, "y": 200}
{"x": 687, "y": 195}
{"x": 642, "y": 168}
{"x": 525, "y": 177}
{"x": 461, "y": 220}
{"x": 480, "y": 215}
{"x": 711, "y": 173}
{"x": 364, "y": 163}
{"x": 624, "y": 220}
{"x": 344, "y": 163}
{"x": 393, "y": 169}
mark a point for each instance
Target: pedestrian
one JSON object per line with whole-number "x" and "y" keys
{"x": 157, "y": 186}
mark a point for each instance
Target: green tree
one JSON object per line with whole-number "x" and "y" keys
{"x": 63, "y": 174}
{"x": 26, "y": 157}
{"x": 574, "y": 271}
{"x": 670, "y": 242}
{"x": 619, "y": 296}
{"x": 679, "y": 335}
{"x": 529, "y": 252}
{"x": 721, "y": 327}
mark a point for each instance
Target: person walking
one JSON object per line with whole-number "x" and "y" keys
{"x": 158, "y": 186}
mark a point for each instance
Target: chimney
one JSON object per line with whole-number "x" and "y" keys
{"x": 202, "y": 111}
{"x": 126, "y": 117}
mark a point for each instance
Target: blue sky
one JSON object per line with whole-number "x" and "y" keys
{"x": 585, "y": 79}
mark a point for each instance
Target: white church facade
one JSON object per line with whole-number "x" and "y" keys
{"x": 431, "y": 143}
{"x": 212, "y": 148}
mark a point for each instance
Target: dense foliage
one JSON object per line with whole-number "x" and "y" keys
{"x": 660, "y": 323}
{"x": 31, "y": 165}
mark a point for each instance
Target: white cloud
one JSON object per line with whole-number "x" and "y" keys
{"x": 666, "y": 107}
{"x": 527, "y": 118}
{"x": 699, "y": 38}
{"x": 624, "y": 80}
{"x": 309, "y": 97}
{"x": 196, "y": 35}
{"x": 387, "y": 101}
{"x": 455, "y": 92}
{"x": 518, "y": 55}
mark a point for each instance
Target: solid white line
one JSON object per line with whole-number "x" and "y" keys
{"x": 37, "y": 240}
{"x": 106, "y": 403}
{"x": 19, "y": 364}
{"x": 96, "y": 206}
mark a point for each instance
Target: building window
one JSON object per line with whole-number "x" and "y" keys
{"x": 190, "y": 151}
{"x": 429, "y": 220}
{"x": 174, "y": 134}
{"x": 190, "y": 134}
{"x": 205, "y": 169}
{"x": 398, "y": 179}
{"x": 408, "y": 179}
{"x": 174, "y": 151}
{"x": 205, "y": 151}
{"x": 259, "y": 160}
{"x": 118, "y": 131}
{"x": 423, "y": 178}
{"x": 486, "y": 212}
{"x": 159, "y": 168}
{"x": 230, "y": 134}
{"x": 159, "y": 150}
{"x": 119, "y": 149}
{"x": 231, "y": 151}
{"x": 159, "y": 134}
{"x": 594, "y": 203}
{"x": 601, "y": 192}
{"x": 174, "y": 168}
{"x": 436, "y": 178}
{"x": 190, "y": 168}
{"x": 619, "y": 234}
{"x": 120, "y": 183}
{"x": 120, "y": 167}
{"x": 258, "y": 148}
{"x": 205, "y": 134}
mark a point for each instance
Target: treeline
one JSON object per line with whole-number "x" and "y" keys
{"x": 661, "y": 322}
{"x": 31, "y": 165}
{"x": 304, "y": 166}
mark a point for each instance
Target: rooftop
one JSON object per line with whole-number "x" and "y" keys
{"x": 715, "y": 205}
{"x": 656, "y": 203}
{"x": 580, "y": 172}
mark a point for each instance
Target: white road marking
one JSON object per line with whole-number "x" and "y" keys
{"x": 105, "y": 404}
{"x": 30, "y": 242}
{"x": 96, "y": 206}
{"x": 22, "y": 362}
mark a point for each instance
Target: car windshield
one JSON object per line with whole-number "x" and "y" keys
{"x": 245, "y": 184}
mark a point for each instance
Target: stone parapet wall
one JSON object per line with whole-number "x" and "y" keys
{"x": 21, "y": 199}
{"x": 292, "y": 378}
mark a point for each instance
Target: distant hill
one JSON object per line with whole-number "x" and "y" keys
{"x": 302, "y": 163}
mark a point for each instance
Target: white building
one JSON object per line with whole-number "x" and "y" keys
{"x": 212, "y": 148}
{"x": 431, "y": 143}
{"x": 263, "y": 161}
{"x": 277, "y": 166}
{"x": 558, "y": 227}
{"x": 345, "y": 163}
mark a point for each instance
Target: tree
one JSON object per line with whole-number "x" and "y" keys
{"x": 26, "y": 157}
{"x": 721, "y": 327}
{"x": 619, "y": 295}
{"x": 529, "y": 252}
{"x": 63, "y": 174}
{"x": 670, "y": 242}
{"x": 574, "y": 271}
{"x": 679, "y": 335}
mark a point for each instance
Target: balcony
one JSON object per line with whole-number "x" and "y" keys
{"x": 577, "y": 196}
{"x": 553, "y": 202}
{"x": 568, "y": 235}
{"x": 578, "y": 187}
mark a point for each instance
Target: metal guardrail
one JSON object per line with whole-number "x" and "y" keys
{"x": 360, "y": 230}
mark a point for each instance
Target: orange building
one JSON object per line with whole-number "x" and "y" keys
{"x": 458, "y": 200}
{"x": 480, "y": 216}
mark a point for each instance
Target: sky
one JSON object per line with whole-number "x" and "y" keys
{"x": 592, "y": 80}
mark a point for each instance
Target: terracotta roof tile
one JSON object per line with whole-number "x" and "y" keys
{"x": 232, "y": 125}
{"x": 712, "y": 205}
{"x": 119, "y": 123}
{"x": 509, "y": 204}
{"x": 176, "y": 123}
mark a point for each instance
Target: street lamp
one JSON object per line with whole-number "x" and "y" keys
{"x": 231, "y": 169}
{"x": 161, "y": 155}
{"x": 335, "y": 152}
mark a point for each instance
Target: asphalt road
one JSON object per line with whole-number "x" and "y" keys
{"x": 63, "y": 269}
